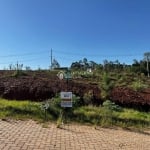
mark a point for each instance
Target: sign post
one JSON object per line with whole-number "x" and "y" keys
{"x": 66, "y": 97}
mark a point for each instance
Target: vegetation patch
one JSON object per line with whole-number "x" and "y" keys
{"x": 109, "y": 114}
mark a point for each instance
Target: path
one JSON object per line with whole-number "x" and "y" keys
{"x": 29, "y": 135}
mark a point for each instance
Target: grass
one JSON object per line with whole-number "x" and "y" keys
{"x": 98, "y": 116}
{"x": 21, "y": 110}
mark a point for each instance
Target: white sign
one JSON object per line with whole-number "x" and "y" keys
{"x": 66, "y": 95}
{"x": 60, "y": 75}
{"x": 66, "y": 103}
{"x": 66, "y": 99}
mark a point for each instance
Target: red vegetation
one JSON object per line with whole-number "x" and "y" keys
{"x": 128, "y": 97}
{"x": 38, "y": 86}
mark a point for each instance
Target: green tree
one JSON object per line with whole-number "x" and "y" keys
{"x": 55, "y": 64}
{"x": 106, "y": 85}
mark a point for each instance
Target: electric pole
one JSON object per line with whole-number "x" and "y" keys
{"x": 51, "y": 58}
{"x": 148, "y": 66}
{"x": 147, "y": 58}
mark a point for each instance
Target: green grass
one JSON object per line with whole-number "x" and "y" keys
{"x": 21, "y": 110}
{"x": 99, "y": 116}
{"x": 134, "y": 117}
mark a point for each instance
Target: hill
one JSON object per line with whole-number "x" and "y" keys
{"x": 126, "y": 89}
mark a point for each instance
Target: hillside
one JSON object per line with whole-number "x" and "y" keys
{"x": 42, "y": 85}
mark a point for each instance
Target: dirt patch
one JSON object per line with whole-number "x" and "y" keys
{"x": 38, "y": 86}
{"x": 130, "y": 98}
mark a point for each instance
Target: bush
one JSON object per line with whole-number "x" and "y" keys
{"x": 18, "y": 73}
{"x": 54, "y": 106}
{"x": 111, "y": 106}
{"x": 87, "y": 98}
{"x": 138, "y": 85}
{"x": 108, "y": 114}
{"x": 76, "y": 101}
{"x": 106, "y": 85}
{"x": 61, "y": 113}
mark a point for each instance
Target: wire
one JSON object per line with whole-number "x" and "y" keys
{"x": 72, "y": 53}
{"x": 24, "y": 54}
{"x": 97, "y": 55}
{"x": 64, "y": 55}
{"x": 28, "y": 60}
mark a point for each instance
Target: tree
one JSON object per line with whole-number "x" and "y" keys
{"x": 105, "y": 62}
{"x": 147, "y": 58}
{"x": 55, "y": 64}
{"x": 27, "y": 68}
{"x": 81, "y": 64}
{"x": 75, "y": 65}
{"x": 85, "y": 60}
{"x": 10, "y": 66}
{"x": 92, "y": 64}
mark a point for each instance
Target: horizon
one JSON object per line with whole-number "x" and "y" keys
{"x": 77, "y": 29}
{"x": 69, "y": 65}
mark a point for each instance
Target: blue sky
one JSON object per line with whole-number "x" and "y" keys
{"x": 74, "y": 29}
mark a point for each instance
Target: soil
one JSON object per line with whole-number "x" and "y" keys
{"x": 130, "y": 98}
{"x": 38, "y": 86}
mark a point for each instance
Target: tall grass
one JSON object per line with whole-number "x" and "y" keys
{"x": 20, "y": 110}
{"x": 102, "y": 116}
{"x": 108, "y": 114}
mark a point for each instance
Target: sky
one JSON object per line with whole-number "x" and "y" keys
{"x": 73, "y": 29}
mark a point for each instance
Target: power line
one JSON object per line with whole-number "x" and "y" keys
{"x": 73, "y": 54}
{"x": 24, "y": 54}
{"x": 98, "y": 55}
{"x": 64, "y": 56}
{"x": 28, "y": 60}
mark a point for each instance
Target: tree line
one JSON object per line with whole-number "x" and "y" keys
{"x": 139, "y": 67}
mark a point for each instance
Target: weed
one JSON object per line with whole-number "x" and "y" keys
{"x": 106, "y": 115}
{"x": 106, "y": 85}
{"x": 138, "y": 85}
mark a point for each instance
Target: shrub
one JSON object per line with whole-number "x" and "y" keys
{"x": 111, "y": 106}
{"x": 106, "y": 86}
{"x": 54, "y": 106}
{"x": 87, "y": 98}
{"x": 76, "y": 101}
{"x": 138, "y": 85}
{"x": 18, "y": 73}
{"x": 108, "y": 114}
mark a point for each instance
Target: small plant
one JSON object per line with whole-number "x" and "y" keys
{"x": 106, "y": 86}
{"x": 44, "y": 106}
{"x": 60, "y": 120}
{"x": 88, "y": 97}
{"x": 111, "y": 106}
{"x": 76, "y": 101}
{"x": 54, "y": 106}
{"x": 107, "y": 113}
{"x": 138, "y": 85}
{"x": 18, "y": 70}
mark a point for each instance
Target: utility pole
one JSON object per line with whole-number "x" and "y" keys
{"x": 147, "y": 58}
{"x": 51, "y": 58}
{"x": 148, "y": 66}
